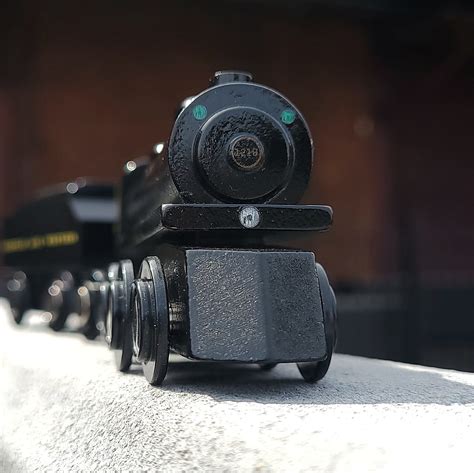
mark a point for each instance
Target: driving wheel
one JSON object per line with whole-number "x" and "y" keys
{"x": 314, "y": 371}
{"x": 117, "y": 326}
{"x": 150, "y": 321}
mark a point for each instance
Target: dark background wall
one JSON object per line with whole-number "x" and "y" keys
{"x": 103, "y": 85}
{"x": 387, "y": 93}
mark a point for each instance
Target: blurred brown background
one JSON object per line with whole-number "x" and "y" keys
{"x": 387, "y": 89}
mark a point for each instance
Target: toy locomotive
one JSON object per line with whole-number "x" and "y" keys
{"x": 203, "y": 269}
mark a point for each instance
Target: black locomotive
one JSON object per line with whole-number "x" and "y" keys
{"x": 203, "y": 268}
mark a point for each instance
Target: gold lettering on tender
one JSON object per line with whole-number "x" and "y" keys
{"x": 37, "y": 242}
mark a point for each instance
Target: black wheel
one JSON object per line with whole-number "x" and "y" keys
{"x": 91, "y": 304}
{"x": 113, "y": 271}
{"x": 150, "y": 321}
{"x": 267, "y": 366}
{"x": 118, "y": 325}
{"x": 60, "y": 300}
{"x": 19, "y": 295}
{"x": 314, "y": 371}
{"x": 103, "y": 307}
{"x": 85, "y": 308}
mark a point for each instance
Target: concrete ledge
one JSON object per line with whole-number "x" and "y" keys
{"x": 64, "y": 407}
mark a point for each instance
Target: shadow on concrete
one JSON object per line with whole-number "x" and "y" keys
{"x": 350, "y": 381}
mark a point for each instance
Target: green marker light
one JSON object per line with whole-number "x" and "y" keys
{"x": 288, "y": 116}
{"x": 200, "y": 112}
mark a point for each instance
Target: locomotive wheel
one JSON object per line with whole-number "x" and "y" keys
{"x": 112, "y": 275}
{"x": 91, "y": 303}
{"x": 18, "y": 295}
{"x": 124, "y": 353}
{"x": 150, "y": 321}
{"x": 118, "y": 325}
{"x": 314, "y": 371}
{"x": 113, "y": 271}
{"x": 100, "y": 310}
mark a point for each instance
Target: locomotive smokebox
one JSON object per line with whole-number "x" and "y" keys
{"x": 240, "y": 142}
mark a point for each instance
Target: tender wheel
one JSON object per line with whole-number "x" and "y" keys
{"x": 60, "y": 300}
{"x": 18, "y": 295}
{"x": 118, "y": 333}
{"x": 312, "y": 372}
{"x": 150, "y": 321}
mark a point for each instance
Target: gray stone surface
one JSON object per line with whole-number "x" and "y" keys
{"x": 63, "y": 407}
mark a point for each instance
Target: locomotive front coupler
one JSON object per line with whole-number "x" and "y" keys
{"x": 233, "y": 304}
